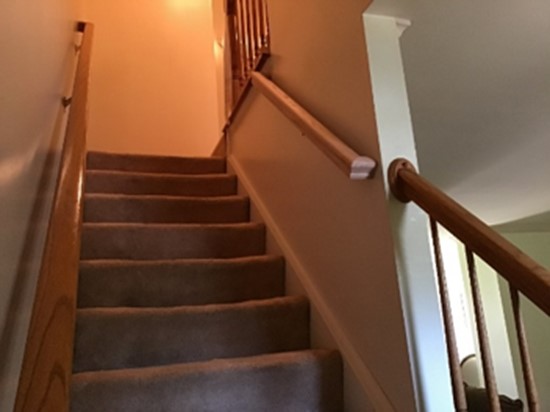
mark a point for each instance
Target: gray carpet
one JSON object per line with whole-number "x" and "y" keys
{"x": 180, "y": 309}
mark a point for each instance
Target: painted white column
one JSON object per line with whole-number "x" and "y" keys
{"x": 410, "y": 226}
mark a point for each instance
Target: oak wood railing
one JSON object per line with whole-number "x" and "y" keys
{"x": 249, "y": 32}
{"x": 522, "y": 273}
{"x": 249, "y": 39}
{"x": 44, "y": 383}
{"x": 355, "y": 166}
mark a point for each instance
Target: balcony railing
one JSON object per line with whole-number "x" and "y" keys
{"x": 249, "y": 35}
{"x": 523, "y": 275}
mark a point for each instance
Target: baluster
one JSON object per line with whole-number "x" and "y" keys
{"x": 231, "y": 12}
{"x": 245, "y": 39}
{"x": 249, "y": 39}
{"x": 261, "y": 26}
{"x": 242, "y": 41}
{"x": 483, "y": 338}
{"x": 527, "y": 370}
{"x": 265, "y": 25}
{"x": 257, "y": 25}
{"x": 459, "y": 395}
{"x": 232, "y": 27}
{"x": 253, "y": 31}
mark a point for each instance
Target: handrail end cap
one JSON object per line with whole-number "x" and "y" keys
{"x": 362, "y": 167}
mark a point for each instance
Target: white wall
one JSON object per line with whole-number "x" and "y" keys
{"x": 537, "y": 324}
{"x": 36, "y": 56}
{"x": 337, "y": 229}
{"x": 153, "y": 77}
{"x": 480, "y": 99}
{"x": 409, "y": 224}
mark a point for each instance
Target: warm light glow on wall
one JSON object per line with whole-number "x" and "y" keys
{"x": 185, "y": 5}
{"x": 218, "y": 51}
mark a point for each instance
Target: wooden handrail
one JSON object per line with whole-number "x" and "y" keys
{"x": 258, "y": 65}
{"x": 249, "y": 35}
{"x": 522, "y": 272}
{"x": 45, "y": 378}
{"x": 355, "y": 166}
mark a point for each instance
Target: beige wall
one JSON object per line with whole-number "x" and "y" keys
{"x": 36, "y": 56}
{"x": 153, "y": 84}
{"x": 337, "y": 229}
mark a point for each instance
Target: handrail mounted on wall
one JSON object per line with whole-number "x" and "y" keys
{"x": 44, "y": 383}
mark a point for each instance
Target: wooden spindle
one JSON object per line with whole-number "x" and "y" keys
{"x": 249, "y": 38}
{"x": 232, "y": 27}
{"x": 251, "y": 34}
{"x": 244, "y": 25}
{"x": 242, "y": 39}
{"x": 261, "y": 26}
{"x": 454, "y": 361}
{"x": 258, "y": 26}
{"x": 253, "y": 30}
{"x": 265, "y": 25}
{"x": 526, "y": 368}
{"x": 482, "y": 335}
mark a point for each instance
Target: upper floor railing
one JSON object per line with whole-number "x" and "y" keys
{"x": 250, "y": 48}
{"x": 250, "y": 45}
{"x": 522, "y": 273}
{"x": 249, "y": 36}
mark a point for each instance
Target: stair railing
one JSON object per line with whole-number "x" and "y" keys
{"x": 45, "y": 378}
{"x": 248, "y": 27}
{"x": 521, "y": 272}
{"x": 249, "y": 37}
{"x": 355, "y": 166}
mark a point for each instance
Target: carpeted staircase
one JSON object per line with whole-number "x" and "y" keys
{"x": 180, "y": 309}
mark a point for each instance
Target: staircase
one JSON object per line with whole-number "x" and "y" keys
{"x": 179, "y": 307}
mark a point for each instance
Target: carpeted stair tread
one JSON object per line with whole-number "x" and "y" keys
{"x": 106, "y": 283}
{"x": 171, "y": 241}
{"x": 154, "y": 163}
{"x": 160, "y": 336}
{"x": 101, "y": 181}
{"x": 305, "y": 381}
{"x": 180, "y": 309}
{"x": 165, "y": 209}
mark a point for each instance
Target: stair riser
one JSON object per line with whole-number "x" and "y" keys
{"x": 127, "y": 183}
{"x": 149, "y": 210}
{"x": 180, "y": 310}
{"x": 158, "y": 164}
{"x": 304, "y": 385}
{"x": 147, "y": 337}
{"x": 175, "y": 284}
{"x": 145, "y": 242}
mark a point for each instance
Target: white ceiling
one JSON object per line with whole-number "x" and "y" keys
{"x": 478, "y": 78}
